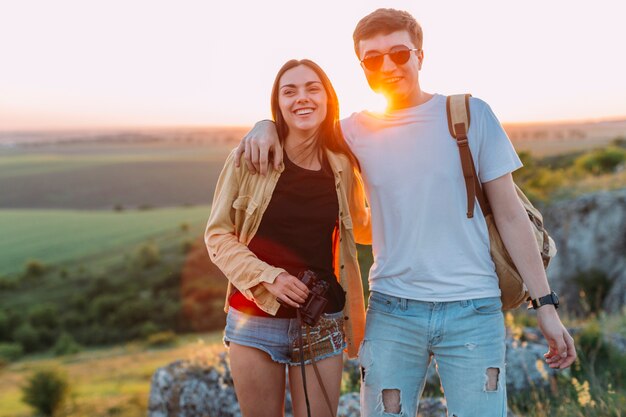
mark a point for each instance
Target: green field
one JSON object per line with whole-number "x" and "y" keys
{"x": 58, "y": 237}
{"x": 104, "y": 176}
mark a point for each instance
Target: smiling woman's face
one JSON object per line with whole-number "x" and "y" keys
{"x": 302, "y": 100}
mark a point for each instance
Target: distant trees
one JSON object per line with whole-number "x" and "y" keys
{"x": 135, "y": 298}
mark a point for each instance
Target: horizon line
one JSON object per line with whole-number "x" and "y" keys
{"x": 173, "y": 126}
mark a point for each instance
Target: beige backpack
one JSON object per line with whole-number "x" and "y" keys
{"x": 512, "y": 286}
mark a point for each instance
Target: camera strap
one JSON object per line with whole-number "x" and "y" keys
{"x": 317, "y": 372}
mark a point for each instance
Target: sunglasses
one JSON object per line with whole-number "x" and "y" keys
{"x": 399, "y": 57}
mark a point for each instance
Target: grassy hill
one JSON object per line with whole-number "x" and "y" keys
{"x": 108, "y": 272}
{"x": 58, "y": 237}
{"x": 107, "y": 381}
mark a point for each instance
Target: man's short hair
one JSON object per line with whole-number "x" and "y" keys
{"x": 386, "y": 21}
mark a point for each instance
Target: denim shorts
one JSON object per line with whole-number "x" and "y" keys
{"x": 278, "y": 337}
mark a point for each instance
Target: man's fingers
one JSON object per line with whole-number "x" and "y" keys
{"x": 571, "y": 352}
{"x": 241, "y": 148}
{"x": 562, "y": 352}
{"x": 561, "y": 347}
{"x": 246, "y": 158}
{"x": 278, "y": 156}
{"x": 263, "y": 158}
{"x": 254, "y": 156}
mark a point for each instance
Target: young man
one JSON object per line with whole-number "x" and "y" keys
{"x": 433, "y": 284}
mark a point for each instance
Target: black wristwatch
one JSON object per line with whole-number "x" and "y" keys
{"x": 551, "y": 298}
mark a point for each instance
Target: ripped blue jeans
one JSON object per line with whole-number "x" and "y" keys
{"x": 466, "y": 340}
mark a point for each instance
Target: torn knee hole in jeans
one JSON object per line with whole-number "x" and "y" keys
{"x": 492, "y": 376}
{"x": 391, "y": 401}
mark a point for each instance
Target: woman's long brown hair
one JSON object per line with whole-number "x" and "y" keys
{"x": 329, "y": 135}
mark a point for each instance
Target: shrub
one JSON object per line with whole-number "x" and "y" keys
{"x": 148, "y": 255}
{"x": 44, "y": 315}
{"x": 28, "y": 337}
{"x": 161, "y": 339}
{"x": 602, "y": 161}
{"x": 66, "y": 345}
{"x": 594, "y": 285}
{"x": 73, "y": 319}
{"x": 104, "y": 307}
{"x": 544, "y": 181}
{"x": 526, "y": 172}
{"x": 7, "y": 283}
{"x": 34, "y": 268}
{"x": 133, "y": 313}
{"x": 148, "y": 329}
{"x": 11, "y": 351}
{"x": 46, "y": 391}
{"x": 599, "y": 360}
{"x": 186, "y": 246}
{"x": 10, "y": 321}
{"x": 5, "y": 326}
{"x": 620, "y": 142}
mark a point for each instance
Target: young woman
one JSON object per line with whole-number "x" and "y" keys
{"x": 264, "y": 231}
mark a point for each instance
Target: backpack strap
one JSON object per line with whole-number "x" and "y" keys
{"x": 457, "y": 109}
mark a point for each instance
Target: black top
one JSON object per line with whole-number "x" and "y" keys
{"x": 296, "y": 232}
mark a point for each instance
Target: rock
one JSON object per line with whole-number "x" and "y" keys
{"x": 526, "y": 367}
{"x": 590, "y": 234}
{"x": 432, "y": 407}
{"x": 184, "y": 389}
{"x": 617, "y": 341}
{"x": 349, "y": 405}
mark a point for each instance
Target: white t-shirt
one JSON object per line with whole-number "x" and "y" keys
{"x": 425, "y": 248}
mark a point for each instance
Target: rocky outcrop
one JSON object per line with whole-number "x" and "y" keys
{"x": 187, "y": 389}
{"x": 590, "y": 234}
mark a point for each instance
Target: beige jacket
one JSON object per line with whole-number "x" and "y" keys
{"x": 238, "y": 206}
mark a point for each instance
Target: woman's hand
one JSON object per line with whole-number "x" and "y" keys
{"x": 288, "y": 289}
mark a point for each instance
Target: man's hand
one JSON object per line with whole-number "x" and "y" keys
{"x": 257, "y": 145}
{"x": 562, "y": 352}
{"x": 288, "y": 289}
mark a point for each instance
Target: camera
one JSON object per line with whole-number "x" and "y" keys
{"x": 315, "y": 303}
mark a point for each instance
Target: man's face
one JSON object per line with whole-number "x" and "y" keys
{"x": 398, "y": 82}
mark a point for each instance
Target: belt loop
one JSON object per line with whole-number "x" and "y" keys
{"x": 404, "y": 304}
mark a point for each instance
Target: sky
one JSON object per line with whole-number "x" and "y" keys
{"x": 119, "y": 63}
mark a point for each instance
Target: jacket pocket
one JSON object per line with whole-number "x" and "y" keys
{"x": 347, "y": 221}
{"x": 245, "y": 204}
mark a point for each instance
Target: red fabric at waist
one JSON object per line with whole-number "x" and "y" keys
{"x": 239, "y": 302}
